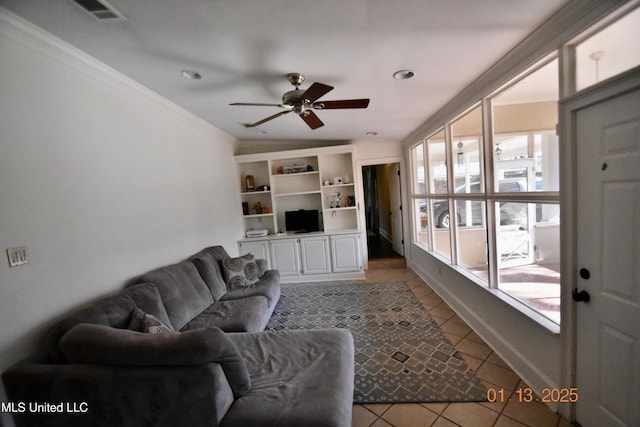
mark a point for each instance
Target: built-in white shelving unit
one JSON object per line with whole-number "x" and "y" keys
{"x": 320, "y": 179}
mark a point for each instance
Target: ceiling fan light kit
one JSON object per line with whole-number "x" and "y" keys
{"x": 303, "y": 102}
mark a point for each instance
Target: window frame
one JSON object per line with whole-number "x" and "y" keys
{"x": 490, "y": 196}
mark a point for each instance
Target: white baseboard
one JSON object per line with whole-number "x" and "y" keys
{"x": 386, "y": 235}
{"x": 356, "y": 275}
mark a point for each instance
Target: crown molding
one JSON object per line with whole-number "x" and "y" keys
{"x": 26, "y": 34}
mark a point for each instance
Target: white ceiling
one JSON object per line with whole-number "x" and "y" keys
{"x": 245, "y": 48}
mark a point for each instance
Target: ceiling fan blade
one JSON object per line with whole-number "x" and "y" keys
{"x": 343, "y": 103}
{"x": 315, "y": 91}
{"x": 311, "y": 119}
{"x": 250, "y": 125}
{"x": 256, "y": 104}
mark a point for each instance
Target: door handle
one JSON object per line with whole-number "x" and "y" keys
{"x": 582, "y": 296}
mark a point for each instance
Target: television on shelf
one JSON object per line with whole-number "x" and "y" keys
{"x": 301, "y": 221}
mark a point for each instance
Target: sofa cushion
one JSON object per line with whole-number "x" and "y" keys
{"x": 296, "y": 376}
{"x": 240, "y": 272}
{"x": 183, "y": 292}
{"x": 147, "y": 298}
{"x": 218, "y": 252}
{"x": 104, "y": 345}
{"x": 268, "y": 286}
{"x": 249, "y": 314}
{"x": 147, "y": 323}
{"x": 110, "y": 311}
{"x": 209, "y": 268}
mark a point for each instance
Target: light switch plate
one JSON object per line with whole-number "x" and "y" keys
{"x": 17, "y": 256}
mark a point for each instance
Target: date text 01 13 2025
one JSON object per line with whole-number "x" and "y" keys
{"x": 549, "y": 395}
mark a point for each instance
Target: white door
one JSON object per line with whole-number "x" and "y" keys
{"x": 345, "y": 253}
{"x": 396, "y": 210}
{"x": 315, "y": 255}
{"x": 285, "y": 256}
{"x": 608, "y": 259}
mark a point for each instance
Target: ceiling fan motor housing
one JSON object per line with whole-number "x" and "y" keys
{"x": 294, "y": 99}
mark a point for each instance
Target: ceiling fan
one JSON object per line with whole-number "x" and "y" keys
{"x": 304, "y": 101}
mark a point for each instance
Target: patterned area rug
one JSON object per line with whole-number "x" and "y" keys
{"x": 401, "y": 354}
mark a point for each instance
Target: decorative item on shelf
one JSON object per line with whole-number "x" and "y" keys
{"x": 297, "y": 169}
{"x": 326, "y": 182}
{"x": 245, "y": 208}
{"x": 266, "y": 210}
{"x": 257, "y": 206}
{"x": 337, "y": 180}
{"x": 336, "y": 202}
{"x": 263, "y": 188}
{"x": 280, "y": 170}
{"x": 351, "y": 200}
{"x": 249, "y": 183}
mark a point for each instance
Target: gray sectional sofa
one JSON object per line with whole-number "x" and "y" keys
{"x": 210, "y": 364}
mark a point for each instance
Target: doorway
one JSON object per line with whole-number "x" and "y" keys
{"x": 383, "y": 211}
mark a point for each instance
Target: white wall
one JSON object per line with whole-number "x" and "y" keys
{"x": 366, "y": 151}
{"x": 101, "y": 180}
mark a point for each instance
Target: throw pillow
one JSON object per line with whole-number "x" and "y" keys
{"x": 145, "y": 322}
{"x": 240, "y": 272}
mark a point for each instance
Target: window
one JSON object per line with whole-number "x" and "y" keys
{"x": 421, "y": 217}
{"x": 466, "y": 138}
{"x": 417, "y": 164}
{"x": 437, "y": 161}
{"x": 528, "y": 247}
{"x": 470, "y": 214}
{"x": 525, "y": 144}
{"x": 608, "y": 52}
{"x": 525, "y": 161}
{"x": 456, "y": 198}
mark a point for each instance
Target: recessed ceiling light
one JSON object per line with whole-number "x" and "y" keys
{"x": 372, "y": 133}
{"x": 190, "y": 74}
{"x": 403, "y": 74}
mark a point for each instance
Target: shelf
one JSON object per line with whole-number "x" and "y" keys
{"x": 348, "y": 184}
{"x": 296, "y": 174}
{"x": 297, "y": 193}
{"x": 258, "y": 215}
{"x": 345, "y": 208}
{"x": 254, "y": 193}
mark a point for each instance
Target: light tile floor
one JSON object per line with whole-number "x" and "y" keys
{"x": 487, "y": 365}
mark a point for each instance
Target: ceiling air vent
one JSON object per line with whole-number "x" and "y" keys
{"x": 99, "y": 9}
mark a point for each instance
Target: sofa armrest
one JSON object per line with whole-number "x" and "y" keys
{"x": 100, "y": 395}
{"x": 262, "y": 266}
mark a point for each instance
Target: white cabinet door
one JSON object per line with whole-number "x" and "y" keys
{"x": 259, "y": 249}
{"x": 285, "y": 256}
{"x": 345, "y": 253}
{"x": 315, "y": 255}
